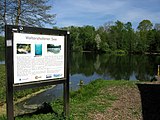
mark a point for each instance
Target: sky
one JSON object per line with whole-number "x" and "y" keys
{"x": 98, "y": 12}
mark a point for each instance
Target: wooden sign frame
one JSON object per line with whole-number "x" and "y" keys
{"x": 9, "y": 57}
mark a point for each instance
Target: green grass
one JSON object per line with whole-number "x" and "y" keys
{"x": 17, "y": 94}
{"x": 2, "y": 84}
{"x": 91, "y": 98}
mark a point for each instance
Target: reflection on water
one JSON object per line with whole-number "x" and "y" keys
{"x": 2, "y": 57}
{"x": 47, "y": 96}
{"x": 2, "y": 62}
{"x": 89, "y": 66}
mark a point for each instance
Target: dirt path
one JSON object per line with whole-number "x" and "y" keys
{"x": 126, "y": 107}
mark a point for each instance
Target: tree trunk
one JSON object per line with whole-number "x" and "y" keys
{"x": 18, "y": 12}
{"x": 4, "y": 14}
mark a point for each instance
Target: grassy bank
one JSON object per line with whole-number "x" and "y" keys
{"x": 100, "y": 99}
{"x": 2, "y": 84}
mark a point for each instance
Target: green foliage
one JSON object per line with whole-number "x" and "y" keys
{"x": 119, "y": 52}
{"x": 3, "y": 117}
{"x": 117, "y": 36}
{"x": 145, "y": 25}
{"x": 87, "y": 35}
{"x": 2, "y": 83}
{"x": 2, "y": 43}
{"x": 76, "y": 43}
{"x": 92, "y": 98}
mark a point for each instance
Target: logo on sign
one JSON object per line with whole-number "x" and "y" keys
{"x": 57, "y": 75}
{"x": 48, "y": 76}
{"x": 37, "y": 77}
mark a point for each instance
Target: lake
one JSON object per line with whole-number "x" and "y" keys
{"x": 90, "y": 66}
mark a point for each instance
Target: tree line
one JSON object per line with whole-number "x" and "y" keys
{"x": 116, "y": 36}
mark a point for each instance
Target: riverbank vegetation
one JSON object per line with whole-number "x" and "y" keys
{"x": 101, "y": 99}
{"x": 2, "y": 84}
{"x": 2, "y": 44}
{"x": 116, "y": 36}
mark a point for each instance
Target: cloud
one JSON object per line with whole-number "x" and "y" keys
{"x": 97, "y": 12}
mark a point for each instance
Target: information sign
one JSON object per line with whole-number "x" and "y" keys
{"x": 34, "y": 59}
{"x": 37, "y": 57}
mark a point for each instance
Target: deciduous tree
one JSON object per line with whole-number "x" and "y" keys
{"x": 26, "y": 12}
{"x": 145, "y": 25}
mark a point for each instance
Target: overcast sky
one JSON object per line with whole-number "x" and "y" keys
{"x": 97, "y": 12}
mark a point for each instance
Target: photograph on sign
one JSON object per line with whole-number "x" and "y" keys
{"x": 23, "y": 48}
{"x": 37, "y": 57}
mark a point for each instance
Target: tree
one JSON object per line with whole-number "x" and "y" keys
{"x": 157, "y": 26}
{"x": 128, "y": 37}
{"x": 151, "y": 41}
{"x": 108, "y": 25}
{"x": 2, "y": 14}
{"x": 103, "y": 34}
{"x": 119, "y": 30}
{"x": 145, "y": 25}
{"x": 98, "y": 41}
{"x": 112, "y": 37}
{"x": 87, "y": 35}
{"x": 76, "y": 42}
{"x": 26, "y": 12}
{"x": 157, "y": 38}
{"x": 115, "y": 36}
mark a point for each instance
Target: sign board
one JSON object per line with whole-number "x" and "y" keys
{"x": 35, "y": 57}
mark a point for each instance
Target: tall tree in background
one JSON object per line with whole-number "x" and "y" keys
{"x": 128, "y": 37}
{"x": 143, "y": 27}
{"x": 76, "y": 42}
{"x": 25, "y": 12}
{"x": 102, "y": 32}
{"x": 115, "y": 36}
{"x": 87, "y": 35}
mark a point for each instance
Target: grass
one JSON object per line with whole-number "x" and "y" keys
{"x": 2, "y": 83}
{"x": 90, "y": 99}
{"x": 18, "y": 94}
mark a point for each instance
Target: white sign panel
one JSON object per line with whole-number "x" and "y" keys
{"x": 37, "y": 57}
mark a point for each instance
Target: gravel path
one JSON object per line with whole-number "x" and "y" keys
{"x": 126, "y": 107}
